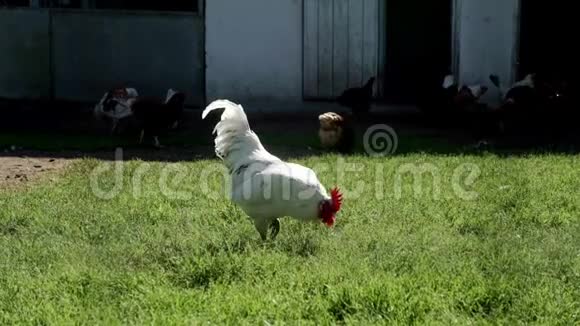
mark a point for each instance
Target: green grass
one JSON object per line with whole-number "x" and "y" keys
{"x": 511, "y": 255}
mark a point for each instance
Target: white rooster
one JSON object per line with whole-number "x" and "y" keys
{"x": 263, "y": 185}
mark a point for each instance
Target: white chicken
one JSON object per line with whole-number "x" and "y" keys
{"x": 263, "y": 185}
{"x": 114, "y": 105}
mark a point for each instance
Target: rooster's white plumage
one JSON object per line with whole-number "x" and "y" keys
{"x": 263, "y": 185}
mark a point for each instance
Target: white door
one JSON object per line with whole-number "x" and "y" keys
{"x": 342, "y": 46}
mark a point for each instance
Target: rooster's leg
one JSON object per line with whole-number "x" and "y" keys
{"x": 262, "y": 228}
{"x": 156, "y": 142}
{"x": 275, "y": 226}
{"x": 263, "y": 225}
{"x": 141, "y": 136}
{"x": 114, "y": 127}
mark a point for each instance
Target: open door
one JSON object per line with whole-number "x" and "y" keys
{"x": 418, "y": 47}
{"x": 547, "y": 39}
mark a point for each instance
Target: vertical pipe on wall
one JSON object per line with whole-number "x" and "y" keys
{"x": 50, "y": 55}
{"x": 455, "y": 30}
{"x": 517, "y": 41}
{"x": 201, "y": 10}
{"x": 302, "y": 63}
{"x": 382, "y": 55}
{"x": 362, "y": 61}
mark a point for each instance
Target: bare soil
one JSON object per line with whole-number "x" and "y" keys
{"x": 19, "y": 170}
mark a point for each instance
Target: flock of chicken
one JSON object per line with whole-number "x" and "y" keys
{"x": 153, "y": 115}
{"x": 268, "y": 188}
{"x": 263, "y": 185}
{"x": 533, "y": 106}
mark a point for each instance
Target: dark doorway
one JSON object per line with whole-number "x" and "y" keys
{"x": 418, "y": 48}
{"x": 547, "y": 39}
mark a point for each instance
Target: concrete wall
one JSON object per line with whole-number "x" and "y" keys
{"x": 24, "y": 48}
{"x": 487, "y": 34}
{"x": 254, "y": 50}
{"x": 94, "y": 50}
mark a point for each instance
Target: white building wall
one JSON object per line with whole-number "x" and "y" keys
{"x": 487, "y": 38}
{"x": 254, "y": 50}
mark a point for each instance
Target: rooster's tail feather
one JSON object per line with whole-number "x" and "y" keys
{"x": 235, "y": 142}
{"x": 233, "y": 125}
{"x": 233, "y": 112}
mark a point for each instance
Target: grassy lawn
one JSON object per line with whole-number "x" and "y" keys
{"x": 510, "y": 253}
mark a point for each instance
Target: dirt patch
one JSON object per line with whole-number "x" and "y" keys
{"x": 22, "y": 170}
{"x": 24, "y": 167}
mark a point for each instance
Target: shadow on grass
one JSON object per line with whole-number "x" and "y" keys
{"x": 69, "y": 131}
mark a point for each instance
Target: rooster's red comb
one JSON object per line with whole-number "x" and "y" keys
{"x": 336, "y": 197}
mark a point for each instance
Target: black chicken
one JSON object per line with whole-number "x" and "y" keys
{"x": 156, "y": 117}
{"x": 525, "y": 110}
{"x": 358, "y": 99}
{"x": 449, "y": 91}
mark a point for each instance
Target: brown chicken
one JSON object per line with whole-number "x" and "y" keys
{"x": 336, "y": 132}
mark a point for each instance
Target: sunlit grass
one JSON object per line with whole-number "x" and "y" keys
{"x": 508, "y": 253}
